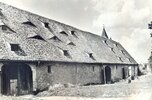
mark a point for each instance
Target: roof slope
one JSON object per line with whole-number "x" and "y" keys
{"x": 30, "y": 37}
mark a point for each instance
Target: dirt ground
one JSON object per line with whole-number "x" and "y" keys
{"x": 138, "y": 89}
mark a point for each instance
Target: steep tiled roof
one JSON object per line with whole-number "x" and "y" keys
{"x": 30, "y": 37}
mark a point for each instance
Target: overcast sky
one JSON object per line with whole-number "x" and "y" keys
{"x": 125, "y": 20}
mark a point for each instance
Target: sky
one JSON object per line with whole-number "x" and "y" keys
{"x": 126, "y": 21}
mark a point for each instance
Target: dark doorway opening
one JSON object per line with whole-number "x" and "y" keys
{"x": 102, "y": 76}
{"x": 107, "y": 75}
{"x": 123, "y": 73}
{"x": 16, "y": 79}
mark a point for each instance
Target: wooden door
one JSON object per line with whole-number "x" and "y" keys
{"x": 108, "y": 74}
{"x": 13, "y": 87}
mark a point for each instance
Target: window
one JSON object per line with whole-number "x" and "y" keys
{"x": 64, "y": 33}
{"x": 1, "y": 14}
{"x": 29, "y": 23}
{"x": 120, "y": 59}
{"x": 66, "y": 53}
{"x": 49, "y": 69}
{"x": 93, "y": 69}
{"x": 116, "y": 67}
{"x": 15, "y": 47}
{"x": 129, "y": 59}
{"x": 4, "y": 27}
{"x": 105, "y": 41}
{"x": 116, "y": 44}
{"x": 17, "y": 50}
{"x": 71, "y": 43}
{"x": 55, "y": 38}
{"x": 37, "y": 37}
{"x": 73, "y": 33}
{"x": 123, "y": 52}
{"x": 7, "y": 29}
{"x": 112, "y": 49}
{"x": 91, "y": 56}
{"x": 46, "y": 25}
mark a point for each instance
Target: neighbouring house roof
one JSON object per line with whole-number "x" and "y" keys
{"x": 30, "y": 37}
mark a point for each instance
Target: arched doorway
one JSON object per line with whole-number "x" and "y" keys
{"x": 107, "y": 74}
{"x": 16, "y": 79}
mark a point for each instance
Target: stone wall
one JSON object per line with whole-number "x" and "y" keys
{"x": 67, "y": 73}
{"x": 76, "y": 73}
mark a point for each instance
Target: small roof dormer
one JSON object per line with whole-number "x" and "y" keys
{"x": 104, "y": 33}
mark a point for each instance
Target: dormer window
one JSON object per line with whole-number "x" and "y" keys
{"x": 64, "y": 33}
{"x": 38, "y": 37}
{"x": 17, "y": 50}
{"x": 112, "y": 49}
{"x": 46, "y": 25}
{"x": 105, "y": 41}
{"x": 55, "y": 38}
{"x": 71, "y": 43}
{"x": 120, "y": 59}
{"x": 116, "y": 45}
{"x": 129, "y": 60}
{"x": 4, "y": 27}
{"x": 66, "y": 53}
{"x": 1, "y": 14}
{"x": 29, "y": 23}
{"x": 123, "y": 52}
{"x": 15, "y": 47}
{"x": 91, "y": 56}
{"x": 7, "y": 29}
{"x": 74, "y": 34}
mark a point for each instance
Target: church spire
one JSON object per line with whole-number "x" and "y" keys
{"x": 104, "y": 33}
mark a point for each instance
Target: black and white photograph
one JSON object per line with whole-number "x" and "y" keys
{"x": 75, "y": 50}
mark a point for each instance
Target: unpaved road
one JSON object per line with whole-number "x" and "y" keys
{"x": 139, "y": 89}
{"x": 121, "y": 89}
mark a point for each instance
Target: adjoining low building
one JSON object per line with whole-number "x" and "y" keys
{"x": 36, "y": 52}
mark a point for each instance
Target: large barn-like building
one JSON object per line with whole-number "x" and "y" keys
{"x": 36, "y": 52}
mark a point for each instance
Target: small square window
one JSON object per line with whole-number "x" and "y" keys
{"x": 15, "y": 47}
{"x": 93, "y": 68}
{"x": 4, "y": 28}
{"x": 46, "y": 25}
{"x": 49, "y": 69}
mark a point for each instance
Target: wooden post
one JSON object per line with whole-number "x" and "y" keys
{"x": 0, "y": 82}
{"x": 1, "y": 88}
{"x": 33, "y": 69}
{"x": 104, "y": 75}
